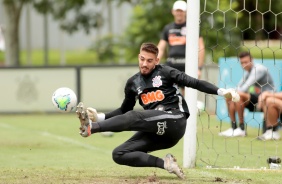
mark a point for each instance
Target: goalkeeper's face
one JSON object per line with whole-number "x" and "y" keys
{"x": 147, "y": 62}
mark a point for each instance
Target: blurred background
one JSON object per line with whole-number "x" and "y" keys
{"x": 91, "y": 46}
{"x": 73, "y": 43}
{"x": 50, "y": 32}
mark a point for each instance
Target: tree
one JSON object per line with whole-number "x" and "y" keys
{"x": 149, "y": 18}
{"x": 147, "y": 21}
{"x": 83, "y": 19}
{"x": 12, "y": 10}
{"x": 265, "y": 18}
{"x": 223, "y": 24}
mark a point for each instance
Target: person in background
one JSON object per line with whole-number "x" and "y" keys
{"x": 173, "y": 40}
{"x": 256, "y": 80}
{"x": 271, "y": 104}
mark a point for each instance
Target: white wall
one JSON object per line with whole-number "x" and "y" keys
{"x": 30, "y": 89}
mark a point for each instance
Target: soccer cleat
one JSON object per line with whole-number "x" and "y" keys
{"x": 171, "y": 166}
{"x": 227, "y": 133}
{"x": 238, "y": 132}
{"x": 85, "y": 128}
{"x": 268, "y": 135}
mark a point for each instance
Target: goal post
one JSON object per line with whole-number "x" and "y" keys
{"x": 229, "y": 28}
{"x": 191, "y": 68}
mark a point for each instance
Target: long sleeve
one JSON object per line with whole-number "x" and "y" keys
{"x": 188, "y": 81}
{"x": 256, "y": 75}
{"x": 127, "y": 104}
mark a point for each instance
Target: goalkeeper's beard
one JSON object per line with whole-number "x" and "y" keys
{"x": 145, "y": 70}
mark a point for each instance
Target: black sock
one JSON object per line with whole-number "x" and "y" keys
{"x": 160, "y": 163}
{"x": 234, "y": 124}
{"x": 242, "y": 126}
{"x": 274, "y": 128}
{"x": 95, "y": 128}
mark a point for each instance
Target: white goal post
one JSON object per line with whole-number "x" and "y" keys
{"x": 191, "y": 68}
{"x": 230, "y": 28}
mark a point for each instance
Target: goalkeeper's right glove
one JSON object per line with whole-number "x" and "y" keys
{"x": 94, "y": 116}
{"x": 229, "y": 93}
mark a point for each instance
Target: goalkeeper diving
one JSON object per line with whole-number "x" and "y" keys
{"x": 161, "y": 124}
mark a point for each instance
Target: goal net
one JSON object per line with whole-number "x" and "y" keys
{"x": 228, "y": 28}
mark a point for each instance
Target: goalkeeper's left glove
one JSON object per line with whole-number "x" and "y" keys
{"x": 94, "y": 116}
{"x": 229, "y": 93}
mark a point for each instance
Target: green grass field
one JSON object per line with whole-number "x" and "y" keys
{"x": 72, "y": 57}
{"x": 46, "y": 148}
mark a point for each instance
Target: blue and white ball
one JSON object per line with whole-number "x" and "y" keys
{"x": 64, "y": 99}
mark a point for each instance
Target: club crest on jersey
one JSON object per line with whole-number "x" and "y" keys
{"x": 161, "y": 127}
{"x": 157, "y": 82}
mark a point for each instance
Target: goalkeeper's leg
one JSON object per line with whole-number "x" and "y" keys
{"x": 154, "y": 121}
{"x": 134, "y": 152}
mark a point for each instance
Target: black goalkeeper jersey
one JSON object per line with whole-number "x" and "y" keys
{"x": 159, "y": 90}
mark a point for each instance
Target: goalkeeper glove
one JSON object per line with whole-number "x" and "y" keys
{"x": 229, "y": 93}
{"x": 94, "y": 116}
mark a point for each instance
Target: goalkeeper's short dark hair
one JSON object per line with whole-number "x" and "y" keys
{"x": 150, "y": 47}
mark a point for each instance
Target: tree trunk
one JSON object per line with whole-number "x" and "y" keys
{"x": 11, "y": 33}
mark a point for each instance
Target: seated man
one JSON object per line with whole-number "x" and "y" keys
{"x": 256, "y": 80}
{"x": 271, "y": 104}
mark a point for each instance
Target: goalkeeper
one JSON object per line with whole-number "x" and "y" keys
{"x": 256, "y": 80}
{"x": 161, "y": 124}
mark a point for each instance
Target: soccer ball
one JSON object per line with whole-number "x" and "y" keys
{"x": 64, "y": 99}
